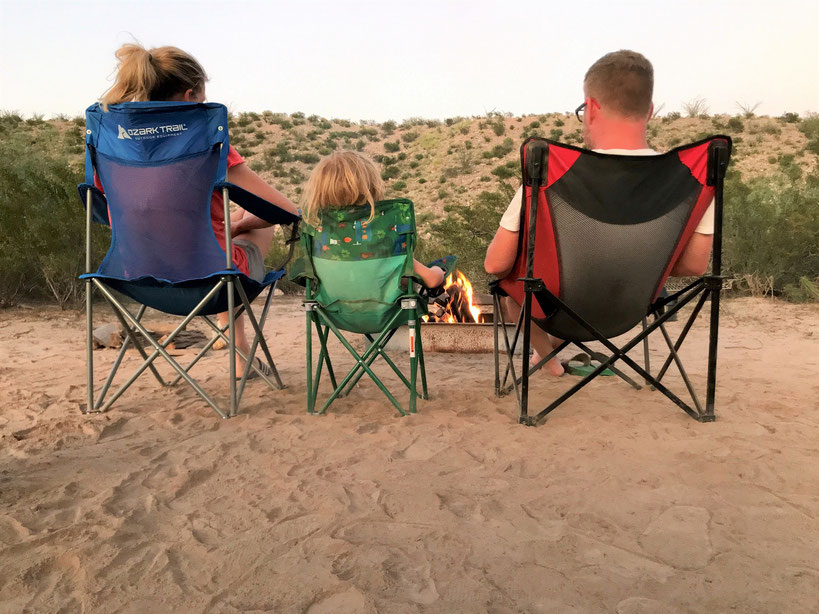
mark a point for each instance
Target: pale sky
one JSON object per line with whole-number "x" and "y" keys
{"x": 356, "y": 59}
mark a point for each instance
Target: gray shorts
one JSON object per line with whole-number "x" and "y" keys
{"x": 255, "y": 262}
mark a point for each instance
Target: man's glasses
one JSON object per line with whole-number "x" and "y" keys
{"x": 579, "y": 112}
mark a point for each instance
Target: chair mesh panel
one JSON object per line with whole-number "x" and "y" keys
{"x": 608, "y": 271}
{"x": 160, "y": 232}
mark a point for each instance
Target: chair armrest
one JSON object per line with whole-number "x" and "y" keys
{"x": 99, "y": 204}
{"x": 258, "y": 206}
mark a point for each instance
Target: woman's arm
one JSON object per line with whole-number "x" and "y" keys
{"x": 242, "y": 176}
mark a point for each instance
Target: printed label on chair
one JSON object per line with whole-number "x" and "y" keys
{"x": 412, "y": 341}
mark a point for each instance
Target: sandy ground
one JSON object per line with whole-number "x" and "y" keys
{"x": 618, "y": 503}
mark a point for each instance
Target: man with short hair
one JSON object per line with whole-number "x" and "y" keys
{"x": 618, "y": 89}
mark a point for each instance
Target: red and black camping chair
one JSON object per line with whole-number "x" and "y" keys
{"x": 599, "y": 235}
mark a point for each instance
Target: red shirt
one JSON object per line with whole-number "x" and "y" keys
{"x": 217, "y": 216}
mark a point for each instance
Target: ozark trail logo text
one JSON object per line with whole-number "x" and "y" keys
{"x": 150, "y": 132}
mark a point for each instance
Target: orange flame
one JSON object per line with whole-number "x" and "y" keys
{"x": 465, "y": 293}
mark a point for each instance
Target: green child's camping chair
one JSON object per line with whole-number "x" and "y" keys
{"x": 359, "y": 278}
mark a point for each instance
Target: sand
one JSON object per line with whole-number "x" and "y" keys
{"x": 618, "y": 503}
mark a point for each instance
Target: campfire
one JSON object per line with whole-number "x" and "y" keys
{"x": 456, "y": 304}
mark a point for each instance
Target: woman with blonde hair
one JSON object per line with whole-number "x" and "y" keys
{"x": 347, "y": 178}
{"x": 170, "y": 74}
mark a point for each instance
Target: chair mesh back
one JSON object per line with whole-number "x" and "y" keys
{"x": 160, "y": 216}
{"x": 609, "y": 272}
{"x": 608, "y": 230}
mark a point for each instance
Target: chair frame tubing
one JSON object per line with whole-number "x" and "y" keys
{"x": 316, "y": 316}
{"x": 131, "y": 324}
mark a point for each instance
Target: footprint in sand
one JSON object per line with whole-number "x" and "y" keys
{"x": 351, "y": 601}
{"x": 643, "y": 605}
{"x": 680, "y": 537}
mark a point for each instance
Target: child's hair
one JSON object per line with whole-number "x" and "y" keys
{"x": 343, "y": 178}
{"x": 158, "y": 74}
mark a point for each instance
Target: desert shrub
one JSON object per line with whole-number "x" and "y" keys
{"x": 388, "y": 127}
{"x": 466, "y": 231}
{"x": 810, "y": 128}
{"x": 670, "y": 117}
{"x": 307, "y": 158}
{"x": 508, "y": 170}
{"x": 390, "y": 172}
{"x": 414, "y": 164}
{"x": 399, "y": 185}
{"x": 344, "y": 123}
{"x": 555, "y": 134}
{"x": 422, "y": 180}
{"x": 790, "y": 118}
{"x": 696, "y": 107}
{"x": 392, "y": 146}
{"x": 42, "y": 246}
{"x": 770, "y": 229}
{"x": 360, "y": 144}
{"x": 409, "y": 137}
{"x": 485, "y": 178}
{"x": 369, "y": 132}
{"x": 442, "y": 194}
{"x": 282, "y": 152}
{"x": 297, "y": 115}
{"x": 558, "y": 122}
{"x": 735, "y": 124}
{"x": 499, "y": 151}
{"x": 536, "y": 124}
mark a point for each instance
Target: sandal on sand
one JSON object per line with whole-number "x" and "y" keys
{"x": 261, "y": 366}
{"x": 582, "y": 364}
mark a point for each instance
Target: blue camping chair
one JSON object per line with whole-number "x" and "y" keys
{"x": 159, "y": 163}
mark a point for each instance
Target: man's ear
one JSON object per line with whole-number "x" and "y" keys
{"x": 188, "y": 95}
{"x": 590, "y": 112}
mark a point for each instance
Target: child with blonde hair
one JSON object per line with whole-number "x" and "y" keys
{"x": 347, "y": 178}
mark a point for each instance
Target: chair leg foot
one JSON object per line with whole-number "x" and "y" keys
{"x": 526, "y": 420}
{"x": 707, "y": 418}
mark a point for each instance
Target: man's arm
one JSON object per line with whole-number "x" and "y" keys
{"x": 242, "y": 176}
{"x": 695, "y": 256}
{"x": 501, "y": 253}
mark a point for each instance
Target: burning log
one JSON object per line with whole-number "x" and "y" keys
{"x": 456, "y": 303}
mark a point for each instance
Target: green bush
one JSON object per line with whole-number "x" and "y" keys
{"x": 399, "y": 185}
{"x": 307, "y": 158}
{"x": 770, "y": 229}
{"x": 735, "y": 124}
{"x": 391, "y": 172}
{"x": 466, "y": 231}
{"x": 409, "y": 137}
{"x": 42, "y": 245}
{"x": 392, "y": 147}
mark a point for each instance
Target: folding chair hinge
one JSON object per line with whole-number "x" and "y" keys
{"x": 495, "y": 287}
{"x": 713, "y": 282}
{"x": 309, "y": 305}
{"x": 409, "y": 303}
{"x": 532, "y": 284}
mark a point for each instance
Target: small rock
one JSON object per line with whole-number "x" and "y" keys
{"x": 108, "y": 336}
